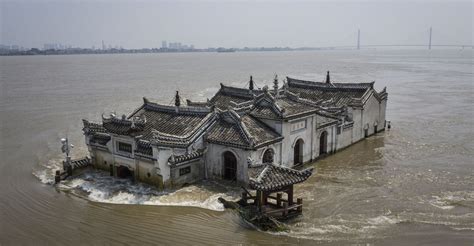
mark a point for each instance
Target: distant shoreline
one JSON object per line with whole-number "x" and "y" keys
{"x": 79, "y": 51}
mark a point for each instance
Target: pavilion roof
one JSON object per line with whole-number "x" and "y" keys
{"x": 270, "y": 177}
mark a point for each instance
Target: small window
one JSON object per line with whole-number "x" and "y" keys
{"x": 148, "y": 174}
{"x": 184, "y": 170}
{"x": 339, "y": 130}
{"x": 125, "y": 147}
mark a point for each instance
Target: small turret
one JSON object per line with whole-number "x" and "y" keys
{"x": 177, "y": 99}
{"x": 328, "y": 79}
{"x": 251, "y": 86}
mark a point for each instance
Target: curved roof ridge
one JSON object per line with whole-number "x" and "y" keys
{"x": 339, "y": 85}
{"x": 170, "y": 109}
{"x": 241, "y": 126}
{"x": 237, "y": 90}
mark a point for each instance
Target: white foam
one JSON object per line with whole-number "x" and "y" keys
{"x": 46, "y": 172}
{"x": 44, "y": 176}
{"x": 383, "y": 220}
{"x": 99, "y": 187}
{"x": 449, "y": 200}
{"x": 463, "y": 228}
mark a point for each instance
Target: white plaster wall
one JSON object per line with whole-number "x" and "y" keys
{"x": 162, "y": 162}
{"x": 383, "y": 108}
{"x": 214, "y": 162}
{"x": 290, "y": 139}
{"x": 371, "y": 114}
{"x": 345, "y": 138}
{"x": 125, "y": 139}
{"x": 331, "y": 140}
{"x": 357, "y": 128}
{"x": 197, "y": 173}
{"x": 276, "y": 125}
{"x": 101, "y": 157}
{"x": 257, "y": 155}
{"x": 145, "y": 167}
{"x": 198, "y": 144}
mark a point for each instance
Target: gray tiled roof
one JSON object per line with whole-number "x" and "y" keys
{"x": 175, "y": 160}
{"x": 334, "y": 94}
{"x": 100, "y": 138}
{"x": 166, "y": 125}
{"x": 144, "y": 147}
{"x": 245, "y": 131}
{"x": 123, "y": 126}
{"x": 98, "y": 134}
{"x": 227, "y": 94}
{"x": 269, "y": 177}
{"x": 283, "y": 106}
{"x": 91, "y": 127}
{"x": 260, "y": 132}
{"x": 326, "y": 119}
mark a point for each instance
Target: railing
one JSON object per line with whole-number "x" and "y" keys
{"x": 281, "y": 206}
{"x": 298, "y": 207}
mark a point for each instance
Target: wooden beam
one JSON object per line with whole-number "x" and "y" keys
{"x": 290, "y": 195}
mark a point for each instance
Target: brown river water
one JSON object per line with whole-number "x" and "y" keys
{"x": 411, "y": 185}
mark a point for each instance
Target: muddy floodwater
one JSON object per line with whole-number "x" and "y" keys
{"x": 413, "y": 184}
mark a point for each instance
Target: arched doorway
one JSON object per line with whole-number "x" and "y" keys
{"x": 268, "y": 156}
{"x": 298, "y": 152}
{"x": 230, "y": 166}
{"x": 123, "y": 172}
{"x": 323, "y": 143}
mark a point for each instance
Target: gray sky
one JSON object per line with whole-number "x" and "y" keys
{"x": 234, "y": 23}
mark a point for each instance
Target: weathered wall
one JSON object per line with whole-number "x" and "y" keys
{"x": 345, "y": 138}
{"x": 214, "y": 158}
{"x": 382, "y": 109}
{"x": 357, "y": 128}
{"x": 103, "y": 159}
{"x": 196, "y": 174}
{"x": 331, "y": 140}
{"x": 163, "y": 155}
{"x": 371, "y": 114}
{"x": 146, "y": 172}
{"x": 257, "y": 155}
{"x": 125, "y": 161}
{"x": 291, "y": 137}
{"x": 275, "y": 124}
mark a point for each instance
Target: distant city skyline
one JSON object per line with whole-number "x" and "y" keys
{"x": 233, "y": 24}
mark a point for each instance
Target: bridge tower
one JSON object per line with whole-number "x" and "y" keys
{"x": 429, "y": 44}
{"x": 358, "y": 39}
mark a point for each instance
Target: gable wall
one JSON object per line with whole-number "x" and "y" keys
{"x": 371, "y": 115}
{"x": 291, "y": 136}
{"x": 214, "y": 162}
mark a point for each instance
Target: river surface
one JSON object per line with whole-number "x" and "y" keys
{"x": 411, "y": 185}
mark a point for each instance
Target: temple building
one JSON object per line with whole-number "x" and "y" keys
{"x": 287, "y": 126}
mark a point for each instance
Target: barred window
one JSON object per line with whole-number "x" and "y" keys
{"x": 125, "y": 147}
{"x": 184, "y": 170}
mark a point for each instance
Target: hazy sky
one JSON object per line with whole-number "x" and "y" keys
{"x": 134, "y": 24}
